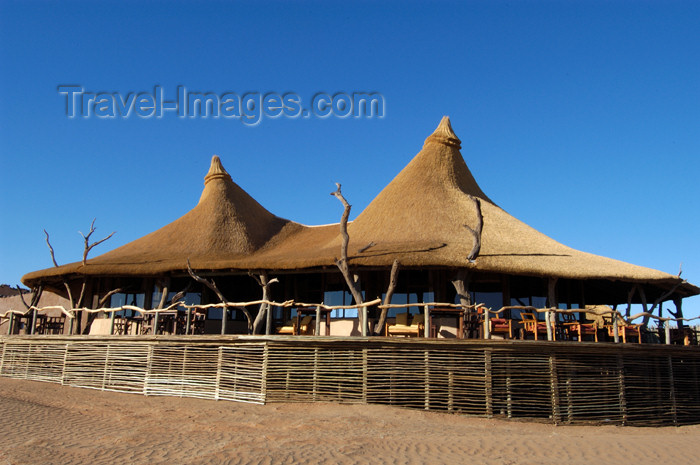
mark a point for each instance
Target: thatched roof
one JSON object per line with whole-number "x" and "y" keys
{"x": 419, "y": 218}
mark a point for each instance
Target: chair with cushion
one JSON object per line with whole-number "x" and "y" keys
{"x": 578, "y": 329}
{"x": 532, "y": 325}
{"x": 502, "y": 326}
{"x": 402, "y": 328}
{"x": 304, "y": 327}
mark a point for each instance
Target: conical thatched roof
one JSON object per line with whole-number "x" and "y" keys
{"x": 226, "y": 224}
{"x": 420, "y": 218}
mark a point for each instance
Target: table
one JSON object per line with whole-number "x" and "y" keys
{"x": 447, "y": 311}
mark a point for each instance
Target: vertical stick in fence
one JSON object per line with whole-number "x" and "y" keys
{"x": 314, "y": 383}
{"x": 621, "y": 387}
{"x": 149, "y": 369}
{"x": 65, "y": 361}
{"x": 569, "y": 399}
{"x": 364, "y": 375}
{"x": 426, "y": 379}
{"x": 189, "y": 321}
{"x": 672, "y": 390}
{"x": 509, "y": 395}
{"x": 106, "y": 368}
{"x": 450, "y": 389}
{"x": 219, "y": 359}
{"x": 554, "y": 389}
{"x": 2, "y": 358}
{"x": 70, "y": 325}
{"x": 488, "y": 384}
{"x": 263, "y": 383}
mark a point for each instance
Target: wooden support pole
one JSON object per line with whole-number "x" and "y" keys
{"x": 667, "y": 331}
{"x": 487, "y": 325}
{"x": 111, "y": 323}
{"x": 10, "y": 324}
{"x": 188, "y": 322}
{"x": 223, "y": 320}
{"x": 268, "y": 320}
{"x": 364, "y": 321}
{"x": 155, "y": 322}
{"x": 426, "y": 324}
{"x": 33, "y": 328}
{"x": 616, "y": 329}
{"x": 548, "y": 323}
{"x": 318, "y": 322}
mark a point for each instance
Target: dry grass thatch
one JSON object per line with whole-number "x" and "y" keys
{"x": 421, "y": 218}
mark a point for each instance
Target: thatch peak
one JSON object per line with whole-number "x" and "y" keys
{"x": 216, "y": 170}
{"x": 444, "y": 134}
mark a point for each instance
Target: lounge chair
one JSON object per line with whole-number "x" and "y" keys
{"x": 305, "y": 326}
{"x": 402, "y": 328}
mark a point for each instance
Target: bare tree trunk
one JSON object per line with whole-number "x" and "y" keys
{"x": 264, "y": 282}
{"x": 342, "y": 264}
{"x": 393, "y": 278}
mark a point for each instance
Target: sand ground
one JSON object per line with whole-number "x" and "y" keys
{"x": 44, "y": 423}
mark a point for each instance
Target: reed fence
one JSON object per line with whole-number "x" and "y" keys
{"x": 548, "y": 381}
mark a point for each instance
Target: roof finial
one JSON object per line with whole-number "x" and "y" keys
{"x": 444, "y": 134}
{"x": 216, "y": 170}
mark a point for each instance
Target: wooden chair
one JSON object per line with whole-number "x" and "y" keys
{"x": 402, "y": 328}
{"x": 502, "y": 326}
{"x": 624, "y": 329}
{"x": 531, "y": 325}
{"x": 574, "y": 328}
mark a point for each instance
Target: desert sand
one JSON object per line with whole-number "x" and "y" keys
{"x": 46, "y": 423}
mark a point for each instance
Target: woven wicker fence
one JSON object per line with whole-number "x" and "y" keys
{"x": 553, "y": 382}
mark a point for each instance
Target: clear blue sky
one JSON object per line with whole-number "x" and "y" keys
{"x": 580, "y": 118}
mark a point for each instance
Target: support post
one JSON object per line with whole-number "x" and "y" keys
{"x": 268, "y": 320}
{"x": 548, "y": 322}
{"x": 33, "y": 328}
{"x": 616, "y": 329}
{"x": 189, "y": 321}
{"x": 487, "y": 325}
{"x": 10, "y": 324}
{"x": 111, "y": 323}
{"x": 364, "y": 321}
{"x": 318, "y": 321}
{"x": 426, "y": 323}
{"x": 667, "y": 331}
{"x": 223, "y": 320}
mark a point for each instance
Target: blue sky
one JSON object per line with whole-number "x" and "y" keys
{"x": 580, "y": 118}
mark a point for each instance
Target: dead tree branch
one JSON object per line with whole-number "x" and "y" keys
{"x": 53, "y": 256}
{"x": 86, "y": 238}
{"x": 393, "y": 279}
{"x": 342, "y": 264}
{"x": 476, "y": 233}
{"x": 212, "y": 285}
